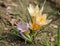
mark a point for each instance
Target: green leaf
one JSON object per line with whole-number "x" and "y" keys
{"x": 46, "y": 42}
{"x": 11, "y": 33}
{"x": 52, "y": 12}
{"x": 58, "y": 36}
{"x": 25, "y": 11}
{"x": 29, "y": 40}
{"x": 1, "y": 41}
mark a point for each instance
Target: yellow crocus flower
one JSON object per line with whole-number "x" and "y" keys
{"x": 38, "y": 18}
{"x": 33, "y": 10}
{"x": 42, "y": 20}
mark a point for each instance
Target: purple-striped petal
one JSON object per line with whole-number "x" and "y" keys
{"x": 23, "y": 26}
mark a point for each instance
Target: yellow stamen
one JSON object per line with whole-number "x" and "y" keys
{"x": 41, "y": 19}
{"x": 26, "y": 33}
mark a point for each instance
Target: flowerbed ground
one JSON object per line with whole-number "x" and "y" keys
{"x": 8, "y": 18}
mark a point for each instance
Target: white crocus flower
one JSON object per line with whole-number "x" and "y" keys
{"x": 33, "y": 10}
{"x": 39, "y": 19}
{"x": 42, "y": 20}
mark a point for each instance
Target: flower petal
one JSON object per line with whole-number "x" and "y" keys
{"x": 47, "y": 21}
{"x": 34, "y": 26}
{"x": 41, "y": 10}
{"x": 23, "y": 27}
{"x": 45, "y": 16}
{"x": 36, "y": 10}
{"x": 31, "y": 9}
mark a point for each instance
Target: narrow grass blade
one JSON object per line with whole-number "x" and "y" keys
{"x": 25, "y": 10}
{"x": 1, "y": 41}
{"x": 46, "y": 42}
{"x": 10, "y": 33}
{"x": 58, "y": 36}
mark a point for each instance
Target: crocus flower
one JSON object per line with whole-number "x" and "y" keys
{"x": 42, "y": 20}
{"x": 33, "y": 10}
{"x": 23, "y": 27}
{"x": 38, "y": 18}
